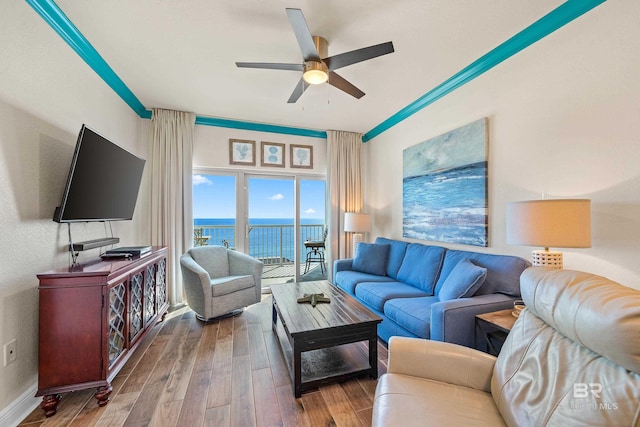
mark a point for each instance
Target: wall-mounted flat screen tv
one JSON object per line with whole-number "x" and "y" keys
{"x": 103, "y": 181}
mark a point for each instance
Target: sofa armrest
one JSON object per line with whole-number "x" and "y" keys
{"x": 453, "y": 321}
{"x": 241, "y": 264}
{"x": 342, "y": 265}
{"x": 440, "y": 361}
{"x": 197, "y": 283}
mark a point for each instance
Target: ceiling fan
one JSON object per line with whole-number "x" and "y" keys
{"x": 317, "y": 67}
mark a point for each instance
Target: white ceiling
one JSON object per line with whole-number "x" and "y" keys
{"x": 181, "y": 54}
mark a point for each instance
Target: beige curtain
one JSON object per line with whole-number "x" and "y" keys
{"x": 171, "y": 208}
{"x": 344, "y": 184}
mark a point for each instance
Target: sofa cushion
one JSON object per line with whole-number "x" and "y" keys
{"x": 403, "y": 400}
{"x": 421, "y": 266}
{"x": 463, "y": 281}
{"x": 348, "y": 279}
{"x": 371, "y": 258}
{"x": 230, "y": 284}
{"x": 375, "y": 294}
{"x": 397, "y": 250}
{"x": 503, "y": 271}
{"x": 413, "y": 314}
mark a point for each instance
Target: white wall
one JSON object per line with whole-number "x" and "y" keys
{"x": 211, "y": 150}
{"x": 564, "y": 121}
{"x": 46, "y": 94}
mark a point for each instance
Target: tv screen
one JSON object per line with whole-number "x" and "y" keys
{"x": 103, "y": 181}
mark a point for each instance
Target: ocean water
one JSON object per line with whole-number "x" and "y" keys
{"x": 447, "y": 206}
{"x": 269, "y": 238}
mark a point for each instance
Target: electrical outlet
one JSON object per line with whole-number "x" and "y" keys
{"x": 10, "y": 352}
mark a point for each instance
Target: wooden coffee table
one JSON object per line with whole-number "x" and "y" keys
{"x": 318, "y": 342}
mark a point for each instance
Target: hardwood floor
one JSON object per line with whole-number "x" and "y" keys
{"x": 227, "y": 373}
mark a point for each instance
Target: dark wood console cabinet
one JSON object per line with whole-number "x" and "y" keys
{"x": 92, "y": 318}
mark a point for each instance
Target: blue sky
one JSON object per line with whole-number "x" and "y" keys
{"x": 214, "y": 197}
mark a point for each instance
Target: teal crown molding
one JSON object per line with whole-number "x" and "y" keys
{"x": 557, "y": 18}
{"x": 554, "y": 20}
{"x": 56, "y": 18}
{"x": 260, "y": 127}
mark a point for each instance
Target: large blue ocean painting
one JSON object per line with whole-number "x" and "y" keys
{"x": 444, "y": 187}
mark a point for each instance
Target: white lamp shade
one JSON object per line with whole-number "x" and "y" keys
{"x": 357, "y": 222}
{"x": 560, "y": 223}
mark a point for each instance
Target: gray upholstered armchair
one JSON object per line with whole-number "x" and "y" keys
{"x": 219, "y": 281}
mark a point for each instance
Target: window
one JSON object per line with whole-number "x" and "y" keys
{"x": 266, "y": 216}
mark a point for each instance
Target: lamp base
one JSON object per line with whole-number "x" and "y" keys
{"x": 549, "y": 259}
{"x": 356, "y": 238}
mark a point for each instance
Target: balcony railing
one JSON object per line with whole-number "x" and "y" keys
{"x": 272, "y": 244}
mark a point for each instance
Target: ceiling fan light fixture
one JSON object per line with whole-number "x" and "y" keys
{"x": 318, "y": 67}
{"x": 315, "y": 72}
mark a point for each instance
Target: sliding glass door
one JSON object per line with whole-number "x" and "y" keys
{"x": 270, "y": 226}
{"x": 312, "y": 230}
{"x": 279, "y": 219}
{"x": 214, "y": 210}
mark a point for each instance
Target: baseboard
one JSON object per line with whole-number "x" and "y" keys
{"x": 20, "y": 408}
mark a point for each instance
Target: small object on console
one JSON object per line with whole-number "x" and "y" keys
{"x": 313, "y": 299}
{"x": 116, "y": 255}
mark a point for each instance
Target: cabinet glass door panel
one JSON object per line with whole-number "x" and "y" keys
{"x": 149, "y": 294}
{"x": 161, "y": 286}
{"x": 135, "y": 309}
{"x": 117, "y": 321}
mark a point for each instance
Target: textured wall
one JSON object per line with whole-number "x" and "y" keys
{"x": 46, "y": 94}
{"x": 211, "y": 149}
{"x": 563, "y": 121}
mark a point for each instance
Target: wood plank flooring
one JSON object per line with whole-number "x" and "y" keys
{"x": 227, "y": 373}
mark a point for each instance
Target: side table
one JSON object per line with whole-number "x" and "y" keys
{"x": 493, "y": 328}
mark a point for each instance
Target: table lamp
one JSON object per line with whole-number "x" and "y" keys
{"x": 356, "y": 223}
{"x": 562, "y": 223}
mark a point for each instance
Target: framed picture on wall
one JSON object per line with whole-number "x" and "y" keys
{"x": 301, "y": 156}
{"x": 444, "y": 187}
{"x": 272, "y": 154}
{"x": 242, "y": 152}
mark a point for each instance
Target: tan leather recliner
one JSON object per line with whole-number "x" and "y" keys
{"x": 571, "y": 359}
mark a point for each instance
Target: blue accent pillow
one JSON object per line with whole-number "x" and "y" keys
{"x": 421, "y": 266}
{"x": 397, "y": 250}
{"x": 463, "y": 281}
{"x": 371, "y": 258}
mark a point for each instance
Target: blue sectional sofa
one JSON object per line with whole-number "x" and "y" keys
{"x": 429, "y": 291}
